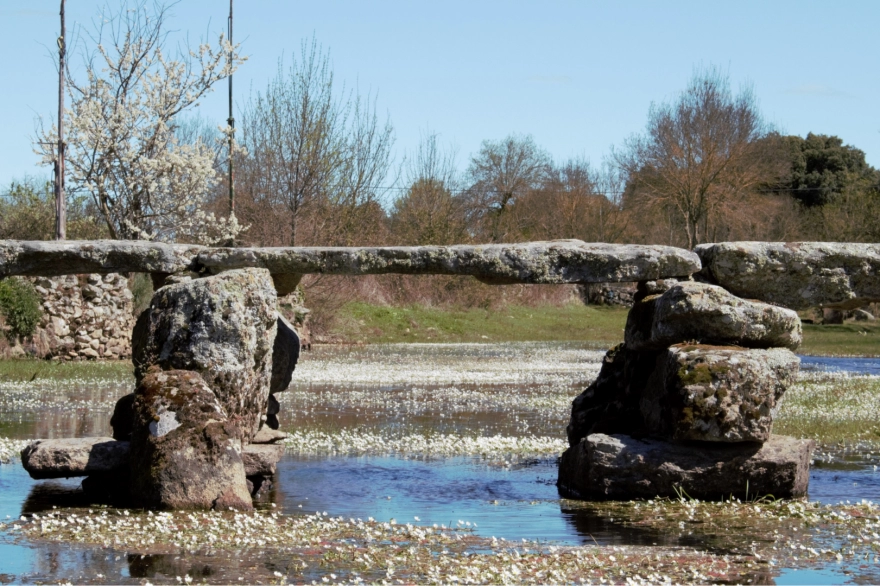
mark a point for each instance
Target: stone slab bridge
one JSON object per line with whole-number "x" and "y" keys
{"x": 797, "y": 275}
{"x": 686, "y": 403}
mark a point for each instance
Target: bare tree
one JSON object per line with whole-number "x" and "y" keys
{"x": 429, "y": 212}
{"x": 502, "y": 171}
{"x": 698, "y": 156}
{"x": 313, "y": 154}
{"x": 575, "y": 201}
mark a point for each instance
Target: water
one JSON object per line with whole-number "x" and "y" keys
{"x": 512, "y": 389}
{"x": 839, "y": 364}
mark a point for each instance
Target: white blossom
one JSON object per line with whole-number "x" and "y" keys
{"x": 120, "y": 131}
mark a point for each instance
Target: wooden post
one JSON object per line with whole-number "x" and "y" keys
{"x": 60, "y": 202}
{"x": 231, "y": 122}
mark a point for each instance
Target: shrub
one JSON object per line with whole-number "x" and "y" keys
{"x": 20, "y": 306}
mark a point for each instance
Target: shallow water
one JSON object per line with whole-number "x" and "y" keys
{"x": 841, "y": 364}
{"x": 513, "y": 390}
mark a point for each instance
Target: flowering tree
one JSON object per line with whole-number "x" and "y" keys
{"x": 122, "y": 144}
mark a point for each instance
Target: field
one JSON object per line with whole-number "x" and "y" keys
{"x": 600, "y": 327}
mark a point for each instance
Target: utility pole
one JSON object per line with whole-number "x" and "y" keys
{"x": 60, "y": 202}
{"x": 231, "y": 122}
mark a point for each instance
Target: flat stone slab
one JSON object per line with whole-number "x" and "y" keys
{"x": 709, "y": 314}
{"x": 716, "y": 393}
{"x": 619, "y": 467}
{"x": 72, "y": 257}
{"x": 797, "y": 275}
{"x": 260, "y": 459}
{"x": 267, "y": 435}
{"x": 553, "y": 262}
{"x": 65, "y": 458}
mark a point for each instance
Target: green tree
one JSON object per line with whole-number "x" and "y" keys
{"x": 20, "y": 307}
{"x": 822, "y": 168}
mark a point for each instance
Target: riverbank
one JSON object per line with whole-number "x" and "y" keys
{"x": 598, "y": 326}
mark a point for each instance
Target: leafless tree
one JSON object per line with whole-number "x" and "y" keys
{"x": 430, "y": 211}
{"x": 500, "y": 173}
{"x": 575, "y": 201}
{"x": 313, "y": 154}
{"x": 698, "y": 156}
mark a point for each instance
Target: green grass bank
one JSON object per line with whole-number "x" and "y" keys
{"x": 376, "y": 324}
{"x": 601, "y": 327}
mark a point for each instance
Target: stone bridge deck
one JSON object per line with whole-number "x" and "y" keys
{"x": 555, "y": 262}
{"x": 797, "y": 275}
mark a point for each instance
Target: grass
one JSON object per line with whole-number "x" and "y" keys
{"x": 601, "y": 326}
{"x": 363, "y": 322}
{"x": 831, "y": 407}
{"x": 29, "y": 369}
{"x": 848, "y": 339}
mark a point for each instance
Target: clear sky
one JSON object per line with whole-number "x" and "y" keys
{"x": 578, "y": 76}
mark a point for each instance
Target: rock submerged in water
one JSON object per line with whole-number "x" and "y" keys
{"x": 615, "y": 467}
{"x": 716, "y": 394}
{"x": 222, "y": 327}
{"x": 185, "y": 452}
{"x": 707, "y": 314}
{"x": 64, "y": 458}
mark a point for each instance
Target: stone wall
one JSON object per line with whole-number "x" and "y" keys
{"x": 84, "y": 317}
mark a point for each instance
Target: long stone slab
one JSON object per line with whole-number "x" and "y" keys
{"x": 70, "y": 457}
{"x": 798, "y": 275}
{"x": 65, "y": 458}
{"x": 553, "y": 262}
{"x": 619, "y": 467}
{"x": 73, "y": 257}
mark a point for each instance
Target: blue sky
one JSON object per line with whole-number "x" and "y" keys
{"x": 578, "y": 76}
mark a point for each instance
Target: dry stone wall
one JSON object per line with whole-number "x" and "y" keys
{"x": 84, "y": 317}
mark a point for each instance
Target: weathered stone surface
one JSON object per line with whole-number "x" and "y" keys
{"x": 560, "y": 261}
{"x": 797, "y": 275}
{"x": 269, "y": 436}
{"x": 285, "y": 354}
{"x": 260, "y": 459}
{"x": 222, "y": 327}
{"x": 71, "y": 257}
{"x": 611, "y": 403}
{"x": 62, "y": 458}
{"x": 708, "y": 314}
{"x": 554, "y": 262}
{"x": 716, "y": 394}
{"x": 620, "y": 467}
{"x": 185, "y": 454}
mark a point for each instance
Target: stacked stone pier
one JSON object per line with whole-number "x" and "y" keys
{"x": 198, "y": 432}
{"x": 685, "y": 405}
